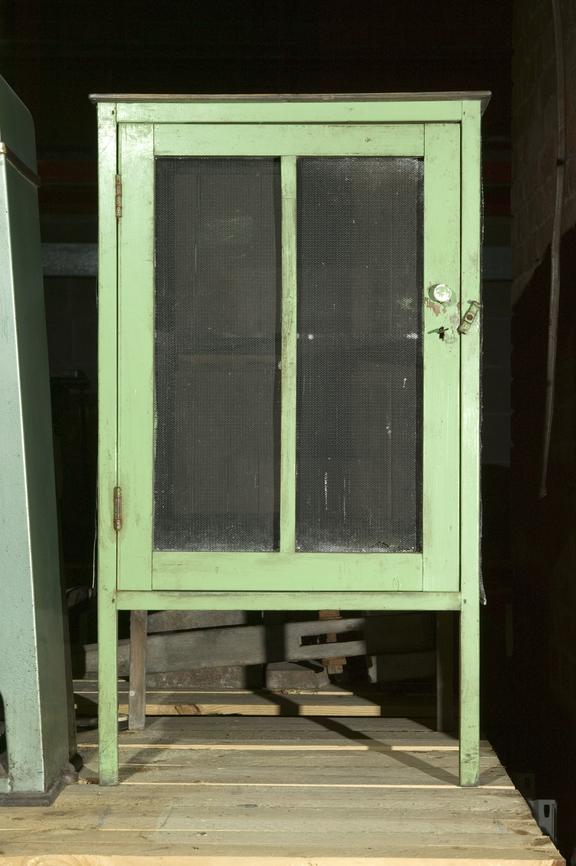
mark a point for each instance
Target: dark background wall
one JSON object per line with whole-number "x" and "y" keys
{"x": 543, "y": 528}
{"x": 55, "y": 53}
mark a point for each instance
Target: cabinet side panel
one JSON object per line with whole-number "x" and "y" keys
{"x": 107, "y": 346}
{"x": 470, "y": 455}
{"x": 107, "y": 442}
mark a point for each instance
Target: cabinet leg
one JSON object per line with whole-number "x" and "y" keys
{"x": 137, "y": 687}
{"x": 444, "y": 671}
{"x": 469, "y": 693}
{"x": 107, "y": 689}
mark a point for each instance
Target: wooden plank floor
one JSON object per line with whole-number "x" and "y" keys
{"x": 324, "y": 791}
{"x": 327, "y": 701}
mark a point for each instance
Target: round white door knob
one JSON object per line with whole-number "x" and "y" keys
{"x": 441, "y": 293}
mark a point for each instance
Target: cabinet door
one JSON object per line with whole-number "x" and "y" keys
{"x": 288, "y": 384}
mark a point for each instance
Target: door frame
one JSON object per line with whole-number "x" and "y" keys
{"x": 436, "y": 568}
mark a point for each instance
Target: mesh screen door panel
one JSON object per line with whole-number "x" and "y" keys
{"x": 218, "y": 265}
{"x": 359, "y": 416}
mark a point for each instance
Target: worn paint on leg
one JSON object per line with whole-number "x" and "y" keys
{"x": 107, "y": 688}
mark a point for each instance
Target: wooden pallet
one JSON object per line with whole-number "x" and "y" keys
{"x": 235, "y": 791}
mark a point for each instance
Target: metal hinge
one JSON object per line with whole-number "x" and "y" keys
{"x": 118, "y": 195}
{"x": 117, "y": 509}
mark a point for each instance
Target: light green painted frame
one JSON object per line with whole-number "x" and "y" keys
{"x": 451, "y": 136}
{"x": 437, "y": 566}
{"x": 288, "y": 139}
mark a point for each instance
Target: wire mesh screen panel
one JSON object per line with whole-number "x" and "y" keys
{"x": 359, "y": 415}
{"x": 217, "y": 266}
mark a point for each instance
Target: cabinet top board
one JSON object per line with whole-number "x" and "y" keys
{"x": 482, "y": 95}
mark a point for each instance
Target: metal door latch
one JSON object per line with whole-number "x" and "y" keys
{"x": 469, "y": 317}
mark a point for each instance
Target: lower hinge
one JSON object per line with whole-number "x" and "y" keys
{"x": 117, "y": 509}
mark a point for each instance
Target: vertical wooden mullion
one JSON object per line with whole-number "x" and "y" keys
{"x": 441, "y": 414}
{"x": 288, "y": 359}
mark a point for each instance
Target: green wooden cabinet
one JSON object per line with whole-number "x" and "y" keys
{"x": 289, "y": 407}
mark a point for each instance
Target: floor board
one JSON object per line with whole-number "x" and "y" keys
{"x": 330, "y": 701}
